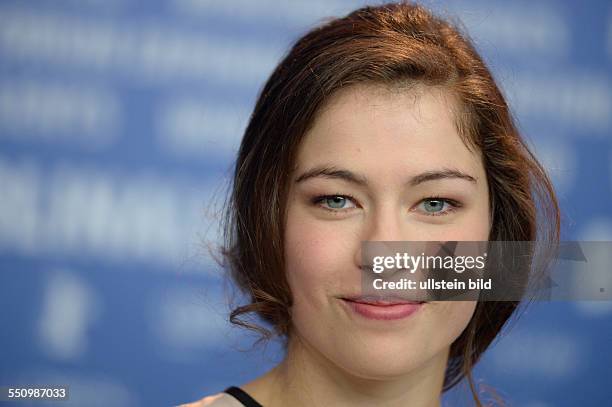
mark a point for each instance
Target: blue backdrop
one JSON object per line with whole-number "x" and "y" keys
{"x": 119, "y": 120}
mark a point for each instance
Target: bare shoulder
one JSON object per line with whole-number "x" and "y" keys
{"x": 215, "y": 400}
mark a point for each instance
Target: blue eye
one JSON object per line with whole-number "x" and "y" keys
{"x": 437, "y": 206}
{"x": 336, "y": 203}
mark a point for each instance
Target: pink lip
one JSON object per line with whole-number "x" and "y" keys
{"x": 383, "y": 309}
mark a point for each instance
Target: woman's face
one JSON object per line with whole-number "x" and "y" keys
{"x": 369, "y": 147}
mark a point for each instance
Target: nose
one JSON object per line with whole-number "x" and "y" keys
{"x": 385, "y": 224}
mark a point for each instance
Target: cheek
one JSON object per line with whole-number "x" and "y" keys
{"x": 318, "y": 259}
{"x": 456, "y": 315}
{"x": 308, "y": 252}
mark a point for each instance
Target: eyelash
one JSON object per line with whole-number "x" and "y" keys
{"x": 454, "y": 205}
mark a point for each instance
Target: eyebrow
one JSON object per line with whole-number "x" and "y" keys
{"x": 333, "y": 172}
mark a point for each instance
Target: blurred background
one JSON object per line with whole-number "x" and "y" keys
{"x": 119, "y": 121}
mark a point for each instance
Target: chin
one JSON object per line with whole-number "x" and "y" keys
{"x": 383, "y": 362}
{"x": 379, "y": 370}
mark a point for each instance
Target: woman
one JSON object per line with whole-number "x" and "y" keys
{"x": 384, "y": 125}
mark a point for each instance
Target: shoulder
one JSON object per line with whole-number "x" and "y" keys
{"x": 215, "y": 400}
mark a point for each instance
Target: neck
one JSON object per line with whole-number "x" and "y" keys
{"x": 306, "y": 377}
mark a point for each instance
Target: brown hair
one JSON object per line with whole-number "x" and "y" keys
{"x": 390, "y": 44}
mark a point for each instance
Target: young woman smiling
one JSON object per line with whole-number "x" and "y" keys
{"x": 383, "y": 125}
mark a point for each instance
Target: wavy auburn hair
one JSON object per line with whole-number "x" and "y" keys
{"x": 391, "y": 44}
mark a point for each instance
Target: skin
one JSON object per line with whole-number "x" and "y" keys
{"x": 387, "y": 136}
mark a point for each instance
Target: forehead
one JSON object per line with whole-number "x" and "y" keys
{"x": 375, "y": 126}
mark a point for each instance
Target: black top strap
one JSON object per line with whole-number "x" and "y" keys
{"x": 242, "y": 396}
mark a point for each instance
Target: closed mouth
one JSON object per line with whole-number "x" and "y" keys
{"x": 381, "y": 301}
